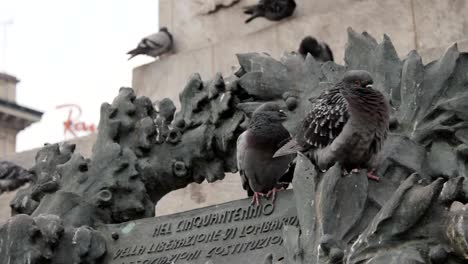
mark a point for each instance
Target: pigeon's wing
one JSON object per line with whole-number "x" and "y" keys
{"x": 241, "y": 149}
{"x": 149, "y": 44}
{"x": 157, "y": 40}
{"x": 291, "y": 147}
{"x": 284, "y": 142}
{"x": 256, "y": 10}
{"x": 326, "y": 120}
{"x": 279, "y": 9}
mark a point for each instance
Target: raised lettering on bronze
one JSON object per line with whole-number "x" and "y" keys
{"x": 243, "y": 247}
{"x": 230, "y": 233}
{"x": 162, "y": 230}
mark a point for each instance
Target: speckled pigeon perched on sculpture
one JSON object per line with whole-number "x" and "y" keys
{"x": 68, "y": 214}
{"x": 274, "y": 10}
{"x": 318, "y": 49}
{"x": 260, "y": 172}
{"x": 347, "y": 124}
{"x": 154, "y": 45}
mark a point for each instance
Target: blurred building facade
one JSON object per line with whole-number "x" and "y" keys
{"x": 208, "y": 44}
{"x": 13, "y": 117}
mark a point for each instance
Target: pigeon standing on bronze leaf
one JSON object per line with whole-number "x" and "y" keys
{"x": 318, "y": 49}
{"x": 261, "y": 173}
{"x": 270, "y": 9}
{"x": 154, "y": 45}
{"x": 348, "y": 124}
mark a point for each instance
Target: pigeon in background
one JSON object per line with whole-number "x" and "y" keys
{"x": 154, "y": 45}
{"x": 261, "y": 173}
{"x": 206, "y": 7}
{"x": 270, "y": 9}
{"x": 318, "y": 49}
{"x": 347, "y": 124}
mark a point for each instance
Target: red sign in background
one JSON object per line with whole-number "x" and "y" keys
{"x": 73, "y": 124}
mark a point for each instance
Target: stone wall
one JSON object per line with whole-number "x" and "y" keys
{"x": 7, "y": 139}
{"x": 8, "y": 90}
{"x": 208, "y": 44}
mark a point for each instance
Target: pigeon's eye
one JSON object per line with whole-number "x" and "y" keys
{"x": 357, "y": 82}
{"x": 282, "y": 114}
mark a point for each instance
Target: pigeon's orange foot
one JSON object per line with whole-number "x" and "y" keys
{"x": 273, "y": 194}
{"x": 371, "y": 176}
{"x": 256, "y": 198}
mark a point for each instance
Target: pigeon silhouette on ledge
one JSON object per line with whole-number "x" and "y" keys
{"x": 154, "y": 45}
{"x": 262, "y": 174}
{"x": 318, "y": 49}
{"x": 274, "y": 10}
{"x": 347, "y": 124}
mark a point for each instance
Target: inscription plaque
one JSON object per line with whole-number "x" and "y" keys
{"x": 233, "y": 232}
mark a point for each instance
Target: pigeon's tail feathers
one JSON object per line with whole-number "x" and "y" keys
{"x": 132, "y": 56}
{"x": 135, "y": 52}
{"x": 250, "y": 9}
{"x": 252, "y": 18}
{"x": 291, "y": 147}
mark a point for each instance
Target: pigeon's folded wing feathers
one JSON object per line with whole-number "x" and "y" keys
{"x": 326, "y": 120}
{"x": 148, "y": 43}
{"x": 159, "y": 39}
{"x": 290, "y": 147}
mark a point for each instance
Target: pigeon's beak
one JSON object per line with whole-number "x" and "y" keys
{"x": 369, "y": 86}
{"x": 283, "y": 115}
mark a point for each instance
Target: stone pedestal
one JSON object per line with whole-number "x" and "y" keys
{"x": 208, "y": 43}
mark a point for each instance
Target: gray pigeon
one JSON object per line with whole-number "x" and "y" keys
{"x": 154, "y": 45}
{"x": 260, "y": 172}
{"x": 318, "y": 49}
{"x": 270, "y": 9}
{"x": 347, "y": 124}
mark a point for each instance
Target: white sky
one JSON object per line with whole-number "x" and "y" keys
{"x": 71, "y": 51}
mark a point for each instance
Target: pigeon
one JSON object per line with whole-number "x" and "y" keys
{"x": 348, "y": 124}
{"x": 270, "y": 9}
{"x": 261, "y": 173}
{"x": 318, "y": 49}
{"x": 154, "y": 45}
